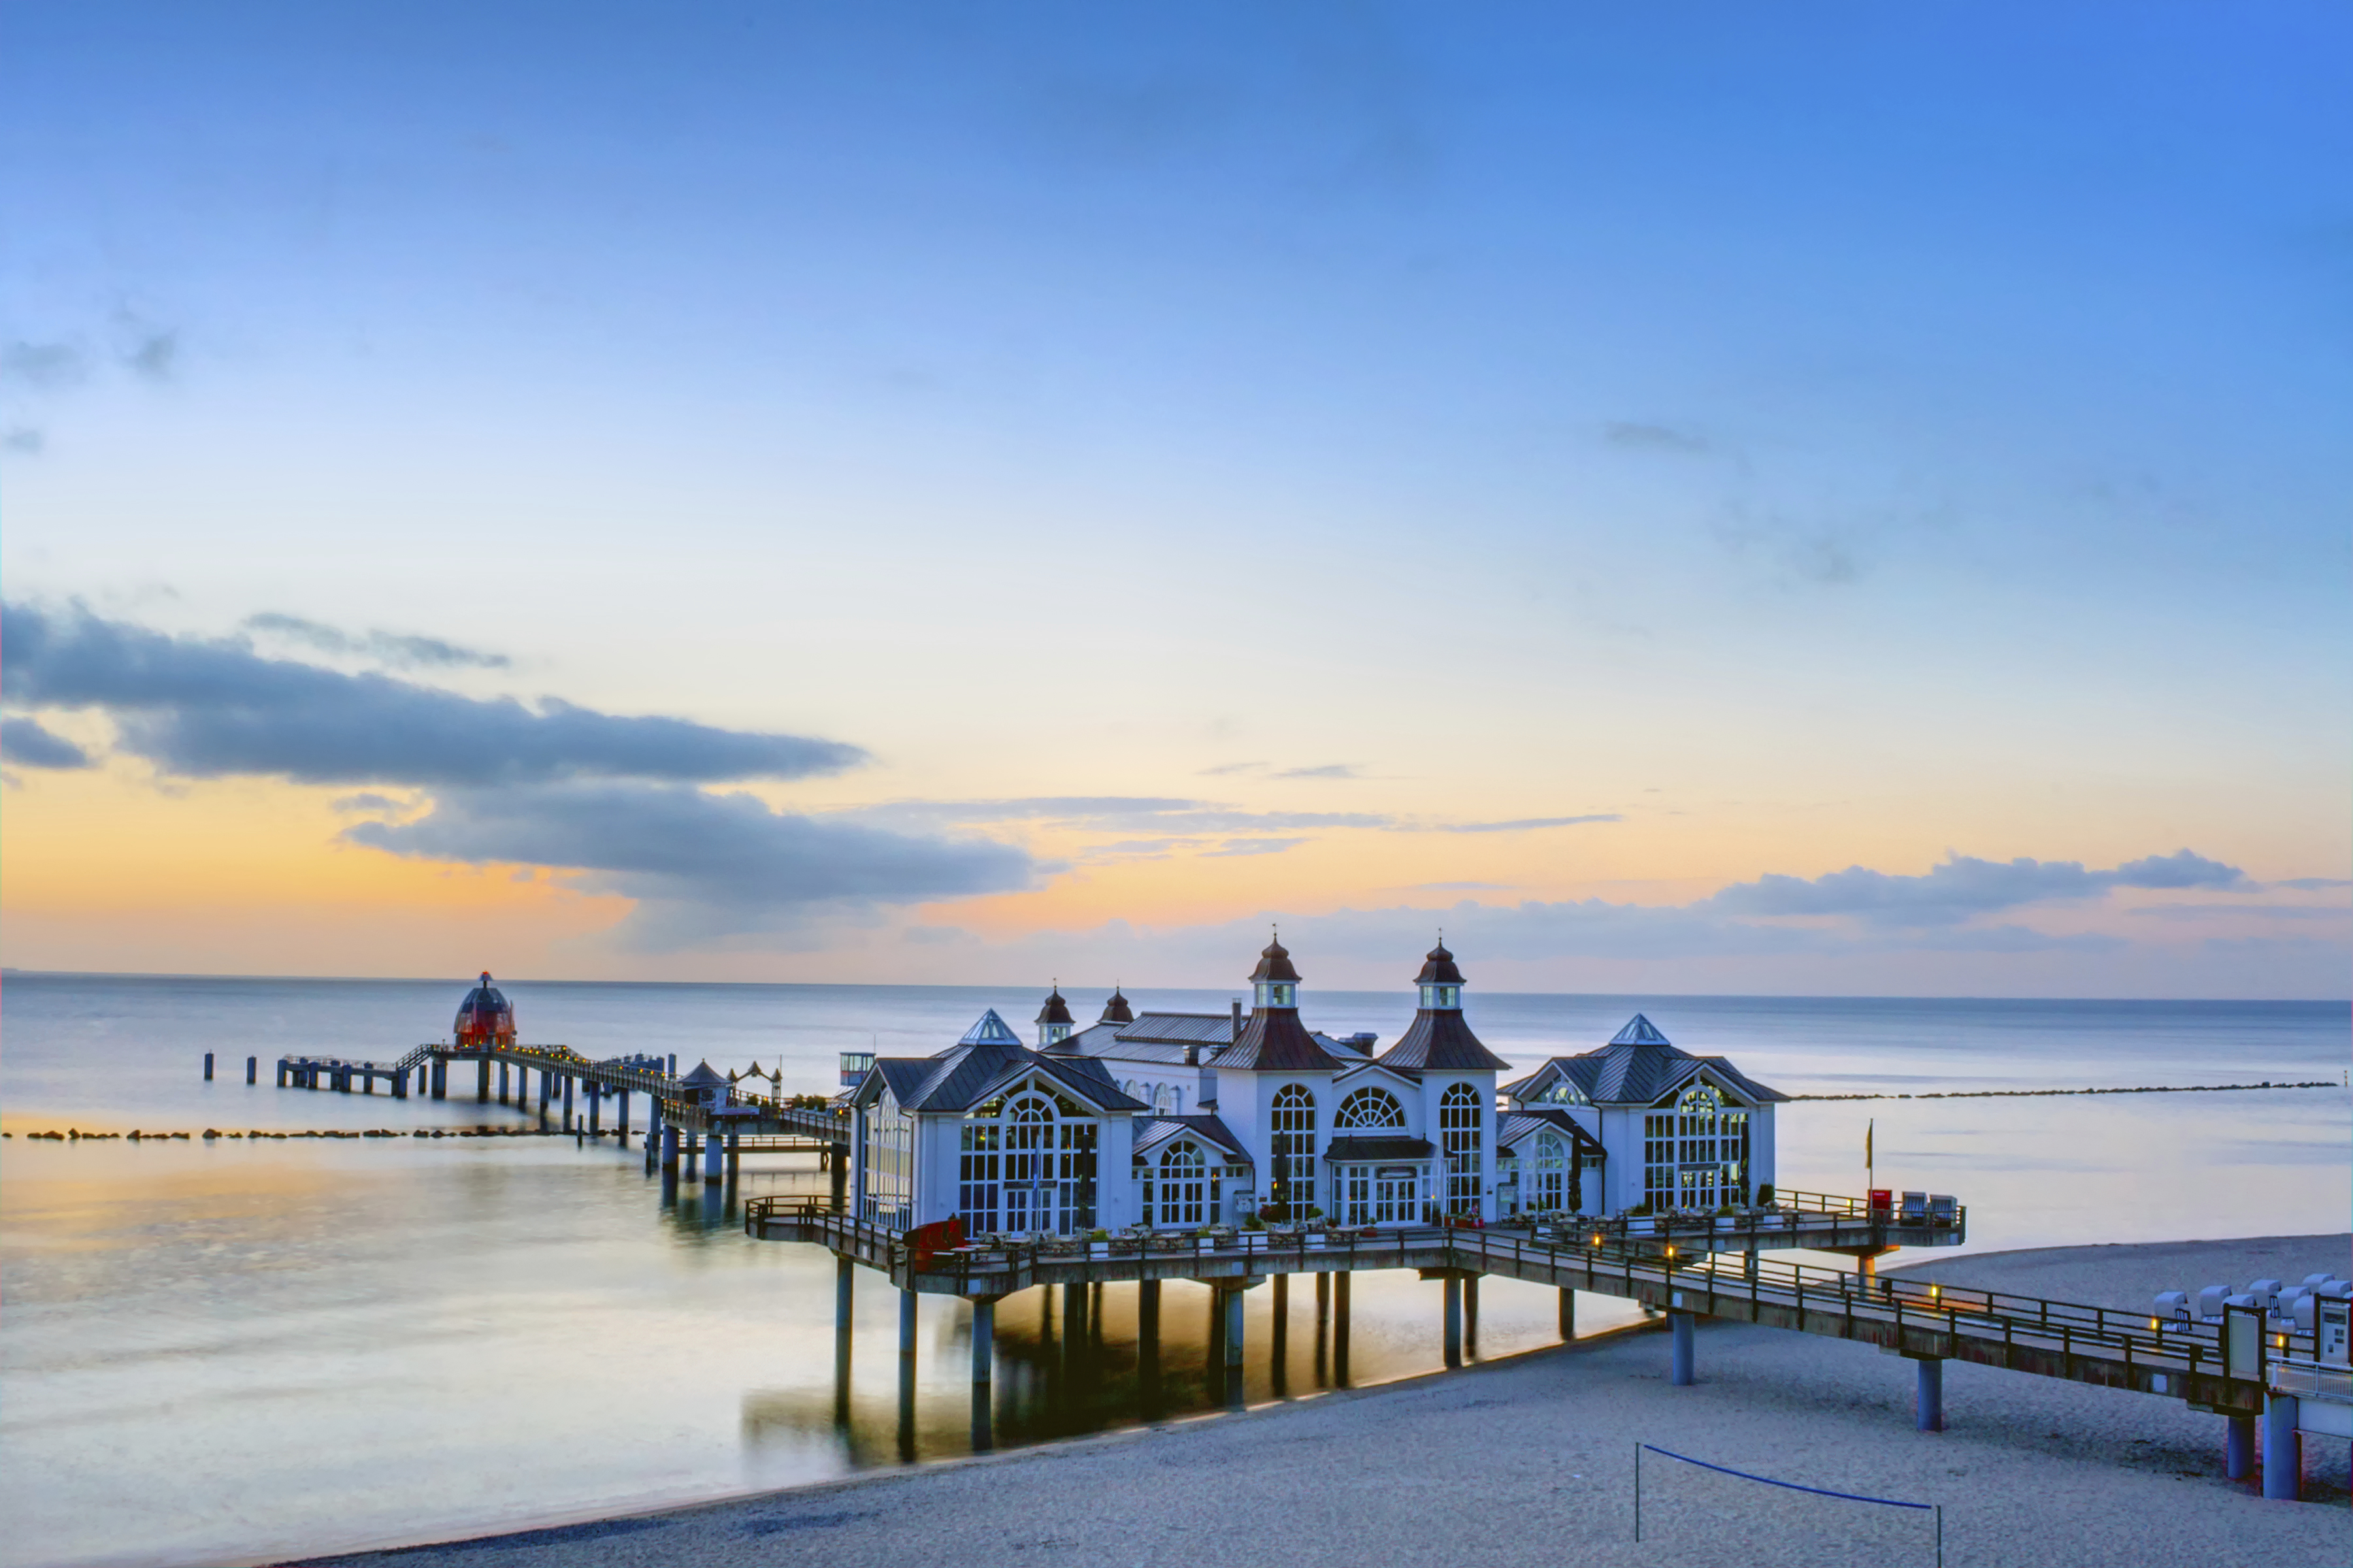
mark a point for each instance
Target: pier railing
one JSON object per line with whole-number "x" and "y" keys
{"x": 2074, "y": 1341}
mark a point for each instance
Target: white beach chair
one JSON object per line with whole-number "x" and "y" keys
{"x": 2265, "y": 1291}
{"x": 2173, "y": 1306}
{"x": 2211, "y": 1301}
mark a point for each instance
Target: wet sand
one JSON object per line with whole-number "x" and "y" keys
{"x": 1530, "y": 1461}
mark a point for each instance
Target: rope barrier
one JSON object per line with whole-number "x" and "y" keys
{"x": 1936, "y": 1511}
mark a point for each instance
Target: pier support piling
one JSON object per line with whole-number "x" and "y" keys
{"x": 208, "y": 1066}
{"x": 837, "y": 1169}
{"x": 482, "y": 1081}
{"x": 1454, "y": 1319}
{"x": 595, "y": 1109}
{"x": 1682, "y": 1358}
{"x": 1233, "y": 1305}
{"x": 1278, "y": 1349}
{"x": 1147, "y": 1345}
{"x": 503, "y": 1076}
{"x": 2283, "y": 1449}
{"x": 669, "y": 1147}
{"x": 622, "y": 1110}
{"x": 440, "y": 1078}
{"x": 252, "y": 1067}
{"x": 1568, "y": 1314}
{"x": 714, "y": 1157}
{"x": 568, "y": 1102}
{"x": 1340, "y": 1287}
{"x": 734, "y": 1153}
{"x": 1928, "y": 1405}
{"x": 1471, "y": 1318}
{"x": 2238, "y": 1447}
{"x": 400, "y": 1084}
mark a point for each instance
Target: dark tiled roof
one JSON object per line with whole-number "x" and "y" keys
{"x": 1274, "y": 964}
{"x": 964, "y": 1076}
{"x": 704, "y": 1077}
{"x": 1056, "y": 1010}
{"x": 1439, "y": 969}
{"x": 1273, "y": 1040}
{"x": 1181, "y": 1028}
{"x": 1116, "y": 1010}
{"x": 1154, "y": 1132}
{"x": 1640, "y": 1075}
{"x": 1441, "y": 1040}
{"x": 1351, "y": 1151}
{"x": 1514, "y": 1126}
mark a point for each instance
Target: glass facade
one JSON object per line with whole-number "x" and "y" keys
{"x": 1292, "y": 1190}
{"x": 1027, "y": 1164}
{"x": 887, "y": 1194}
{"x": 1462, "y": 1134}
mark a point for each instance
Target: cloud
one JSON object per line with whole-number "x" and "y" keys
{"x": 24, "y": 439}
{"x": 702, "y": 867}
{"x": 45, "y": 366}
{"x": 368, "y": 801}
{"x": 212, "y": 708}
{"x": 1233, "y": 768}
{"x": 1960, "y": 889}
{"x": 1116, "y": 814}
{"x": 1324, "y": 771}
{"x": 1459, "y": 888}
{"x": 1641, "y": 436}
{"x": 1254, "y": 846}
{"x": 399, "y": 650}
{"x": 24, "y": 743}
{"x": 2314, "y": 884}
{"x": 152, "y": 355}
{"x": 1522, "y": 824}
{"x": 2262, "y": 912}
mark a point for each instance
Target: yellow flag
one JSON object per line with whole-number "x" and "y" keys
{"x": 1868, "y": 1129}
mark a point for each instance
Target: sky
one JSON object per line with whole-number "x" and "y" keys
{"x": 1845, "y": 500}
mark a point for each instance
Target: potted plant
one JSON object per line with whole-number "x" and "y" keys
{"x": 1639, "y": 1221}
{"x": 1313, "y": 1230}
{"x": 1097, "y": 1244}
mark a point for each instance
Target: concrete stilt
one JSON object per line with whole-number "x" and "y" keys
{"x": 2238, "y": 1447}
{"x": 595, "y": 1109}
{"x": 1453, "y": 1320}
{"x": 734, "y": 1153}
{"x": 546, "y": 1091}
{"x": 568, "y": 1102}
{"x": 482, "y": 1081}
{"x": 208, "y": 1066}
{"x": 1278, "y": 1349}
{"x": 440, "y": 1078}
{"x": 1233, "y": 1305}
{"x": 399, "y": 1084}
{"x": 502, "y": 1083}
{"x": 1682, "y": 1358}
{"x": 714, "y": 1157}
{"x": 252, "y": 1065}
{"x": 622, "y": 1110}
{"x": 1340, "y": 1287}
{"x": 1147, "y": 1345}
{"x": 838, "y": 1184}
{"x": 907, "y": 1325}
{"x": 1568, "y": 1314}
{"x": 1471, "y": 1318}
{"x": 844, "y": 1298}
{"x": 984, "y": 1340}
{"x": 669, "y": 1147}
{"x": 2283, "y": 1449}
{"x": 1928, "y": 1405}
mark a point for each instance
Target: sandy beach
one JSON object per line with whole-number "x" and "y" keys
{"x": 1530, "y": 1460}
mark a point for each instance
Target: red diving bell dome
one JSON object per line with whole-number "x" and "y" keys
{"x": 485, "y": 1018}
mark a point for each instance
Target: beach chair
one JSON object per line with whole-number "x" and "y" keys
{"x": 1915, "y": 1207}
{"x": 2266, "y": 1291}
{"x": 1941, "y": 1208}
{"x": 2173, "y": 1307}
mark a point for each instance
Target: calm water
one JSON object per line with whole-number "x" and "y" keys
{"x": 249, "y": 1351}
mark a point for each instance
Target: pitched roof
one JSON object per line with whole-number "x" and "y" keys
{"x": 989, "y": 1031}
{"x": 1154, "y": 1132}
{"x": 1273, "y": 1040}
{"x": 1640, "y": 1075}
{"x": 1514, "y": 1126}
{"x": 1441, "y": 1040}
{"x": 1056, "y": 1010}
{"x": 1639, "y": 1031}
{"x": 1180, "y": 1028}
{"x": 964, "y": 1076}
{"x": 704, "y": 1077}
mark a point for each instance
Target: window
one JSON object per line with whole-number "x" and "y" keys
{"x": 1659, "y": 1161}
{"x": 888, "y": 1172}
{"x": 1291, "y": 1191}
{"x": 1560, "y": 1091}
{"x": 1461, "y": 1133}
{"x": 1027, "y": 1162}
{"x": 1544, "y": 1185}
{"x": 1183, "y": 1187}
{"x": 1695, "y": 1157}
{"x": 1163, "y": 1099}
{"x": 1371, "y": 1107}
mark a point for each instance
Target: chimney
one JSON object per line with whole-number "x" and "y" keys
{"x": 1238, "y": 1017}
{"x": 1192, "y": 1055}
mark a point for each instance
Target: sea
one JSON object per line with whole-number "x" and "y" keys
{"x": 244, "y": 1350}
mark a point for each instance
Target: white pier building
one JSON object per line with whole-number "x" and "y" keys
{"x": 1180, "y": 1120}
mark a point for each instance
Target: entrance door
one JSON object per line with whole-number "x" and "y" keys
{"x": 1397, "y": 1194}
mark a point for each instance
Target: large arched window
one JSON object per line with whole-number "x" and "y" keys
{"x": 1461, "y": 1133}
{"x": 1711, "y": 1149}
{"x": 1291, "y": 1191}
{"x": 1369, "y": 1107}
{"x": 1027, "y": 1163}
{"x": 1184, "y": 1186}
{"x": 1546, "y": 1180}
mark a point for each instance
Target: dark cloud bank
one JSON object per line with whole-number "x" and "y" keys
{"x": 608, "y": 796}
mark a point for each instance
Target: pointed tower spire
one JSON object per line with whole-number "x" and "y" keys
{"x": 1054, "y": 1020}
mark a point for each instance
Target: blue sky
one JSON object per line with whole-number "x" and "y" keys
{"x": 1808, "y": 440}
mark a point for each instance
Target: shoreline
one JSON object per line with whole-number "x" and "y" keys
{"x": 1778, "y": 1402}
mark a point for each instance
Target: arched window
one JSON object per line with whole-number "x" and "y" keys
{"x": 1164, "y": 1098}
{"x": 1547, "y": 1173}
{"x": 1369, "y": 1107}
{"x": 1291, "y": 1191}
{"x": 1027, "y": 1163}
{"x": 1711, "y": 1149}
{"x": 1184, "y": 1186}
{"x": 1461, "y": 1131}
{"x": 1560, "y": 1091}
